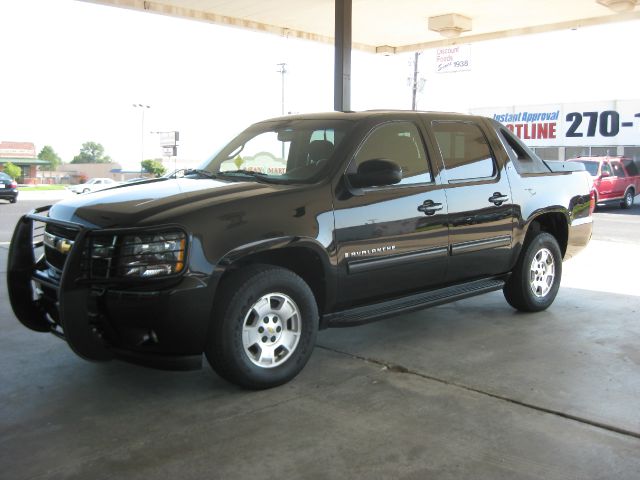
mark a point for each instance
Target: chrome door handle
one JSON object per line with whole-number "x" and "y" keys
{"x": 498, "y": 199}
{"x": 429, "y": 207}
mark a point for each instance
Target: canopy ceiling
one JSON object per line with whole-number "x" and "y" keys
{"x": 399, "y": 24}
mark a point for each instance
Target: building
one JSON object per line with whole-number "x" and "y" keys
{"x": 568, "y": 130}
{"x": 23, "y": 155}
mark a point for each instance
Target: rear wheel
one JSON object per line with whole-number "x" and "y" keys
{"x": 535, "y": 281}
{"x": 264, "y": 327}
{"x": 627, "y": 201}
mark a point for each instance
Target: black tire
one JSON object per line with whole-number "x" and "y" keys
{"x": 13, "y": 200}
{"x": 237, "y": 307}
{"x": 627, "y": 201}
{"x": 530, "y": 288}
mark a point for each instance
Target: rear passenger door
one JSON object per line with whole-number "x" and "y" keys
{"x": 481, "y": 213}
{"x": 619, "y": 179}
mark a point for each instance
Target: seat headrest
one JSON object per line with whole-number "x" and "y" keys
{"x": 320, "y": 150}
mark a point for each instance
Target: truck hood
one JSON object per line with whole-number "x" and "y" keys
{"x": 128, "y": 205}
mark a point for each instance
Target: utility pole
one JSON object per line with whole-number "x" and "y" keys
{"x": 143, "y": 107}
{"x": 415, "y": 80}
{"x": 283, "y": 71}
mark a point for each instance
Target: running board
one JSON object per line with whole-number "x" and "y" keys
{"x": 418, "y": 301}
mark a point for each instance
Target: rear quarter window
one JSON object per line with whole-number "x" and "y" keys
{"x": 465, "y": 150}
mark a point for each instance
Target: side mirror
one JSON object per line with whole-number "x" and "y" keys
{"x": 605, "y": 174}
{"x": 376, "y": 173}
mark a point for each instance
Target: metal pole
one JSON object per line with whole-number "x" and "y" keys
{"x": 342, "y": 71}
{"x": 143, "y": 107}
{"x": 283, "y": 70}
{"x": 415, "y": 80}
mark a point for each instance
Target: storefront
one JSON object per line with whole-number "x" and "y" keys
{"x": 569, "y": 130}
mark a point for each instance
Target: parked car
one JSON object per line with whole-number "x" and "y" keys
{"x": 299, "y": 223}
{"x": 615, "y": 179}
{"x": 93, "y": 185}
{"x": 8, "y": 188}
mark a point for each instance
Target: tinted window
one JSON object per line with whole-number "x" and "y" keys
{"x": 617, "y": 169}
{"x": 606, "y": 168}
{"x": 401, "y": 143}
{"x": 464, "y": 150}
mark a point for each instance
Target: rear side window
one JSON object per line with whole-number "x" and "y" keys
{"x": 617, "y": 169}
{"x": 401, "y": 143}
{"x": 525, "y": 160}
{"x": 465, "y": 151}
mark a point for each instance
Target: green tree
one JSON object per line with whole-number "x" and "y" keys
{"x": 154, "y": 167}
{"x": 49, "y": 155}
{"x": 12, "y": 170}
{"x": 91, "y": 152}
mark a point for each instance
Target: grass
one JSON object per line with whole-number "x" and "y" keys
{"x": 37, "y": 188}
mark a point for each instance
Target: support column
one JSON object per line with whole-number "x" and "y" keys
{"x": 342, "y": 72}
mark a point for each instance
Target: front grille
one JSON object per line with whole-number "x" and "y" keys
{"x": 57, "y": 241}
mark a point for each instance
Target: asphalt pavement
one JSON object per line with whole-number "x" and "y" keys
{"x": 471, "y": 389}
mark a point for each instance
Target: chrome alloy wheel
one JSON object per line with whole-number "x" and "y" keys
{"x": 271, "y": 330}
{"x": 542, "y": 273}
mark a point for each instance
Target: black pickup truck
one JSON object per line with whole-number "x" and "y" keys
{"x": 299, "y": 223}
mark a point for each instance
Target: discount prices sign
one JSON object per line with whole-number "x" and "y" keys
{"x": 607, "y": 123}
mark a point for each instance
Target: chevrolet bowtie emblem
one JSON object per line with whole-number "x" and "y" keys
{"x": 60, "y": 244}
{"x": 63, "y": 246}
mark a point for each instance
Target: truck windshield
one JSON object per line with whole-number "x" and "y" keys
{"x": 282, "y": 151}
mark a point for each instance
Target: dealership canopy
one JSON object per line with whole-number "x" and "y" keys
{"x": 388, "y": 27}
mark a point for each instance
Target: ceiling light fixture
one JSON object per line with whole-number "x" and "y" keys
{"x": 386, "y": 50}
{"x": 450, "y": 25}
{"x": 619, "y": 6}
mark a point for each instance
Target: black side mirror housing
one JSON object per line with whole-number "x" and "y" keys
{"x": 376, "y": 173}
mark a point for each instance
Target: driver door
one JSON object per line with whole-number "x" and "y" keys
{"x": 391, "y": 239}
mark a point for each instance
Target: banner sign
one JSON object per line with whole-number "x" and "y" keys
{"x": 608, "y": 123}
{"x": 168, "y": 139}
{"x": 453, "y": 59}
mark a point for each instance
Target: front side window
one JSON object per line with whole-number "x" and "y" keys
{"x": 465, "y": 151}
{"x": 401, "y": 143}
{"x": 606, "y": 168}
{"x": 285, "y": 151}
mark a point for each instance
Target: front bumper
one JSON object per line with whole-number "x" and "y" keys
{"x": 161, "y": 323}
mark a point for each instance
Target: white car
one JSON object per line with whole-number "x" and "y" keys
{"x": 94, "y": 184}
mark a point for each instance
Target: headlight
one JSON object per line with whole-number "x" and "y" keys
{"x": 152, "y": 255}
{"x": 142, "y": 255}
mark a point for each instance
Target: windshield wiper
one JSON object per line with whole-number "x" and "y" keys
{"x": 194, "y": 171}
{"x": 245, "y": 173}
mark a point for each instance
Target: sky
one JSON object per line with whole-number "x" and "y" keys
{"x": 72, "y": 71}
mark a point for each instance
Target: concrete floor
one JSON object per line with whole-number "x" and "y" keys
{"x": 467, "y": 390}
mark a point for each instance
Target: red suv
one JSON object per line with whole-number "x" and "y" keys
{"x": 615, "y": 179}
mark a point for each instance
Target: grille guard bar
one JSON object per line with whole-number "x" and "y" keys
{"x": 72, "y": 297}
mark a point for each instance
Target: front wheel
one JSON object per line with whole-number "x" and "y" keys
{"x": 627, "y": 201}
{"x": 264, "y": 327}
{"x": 535, "y": 281}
